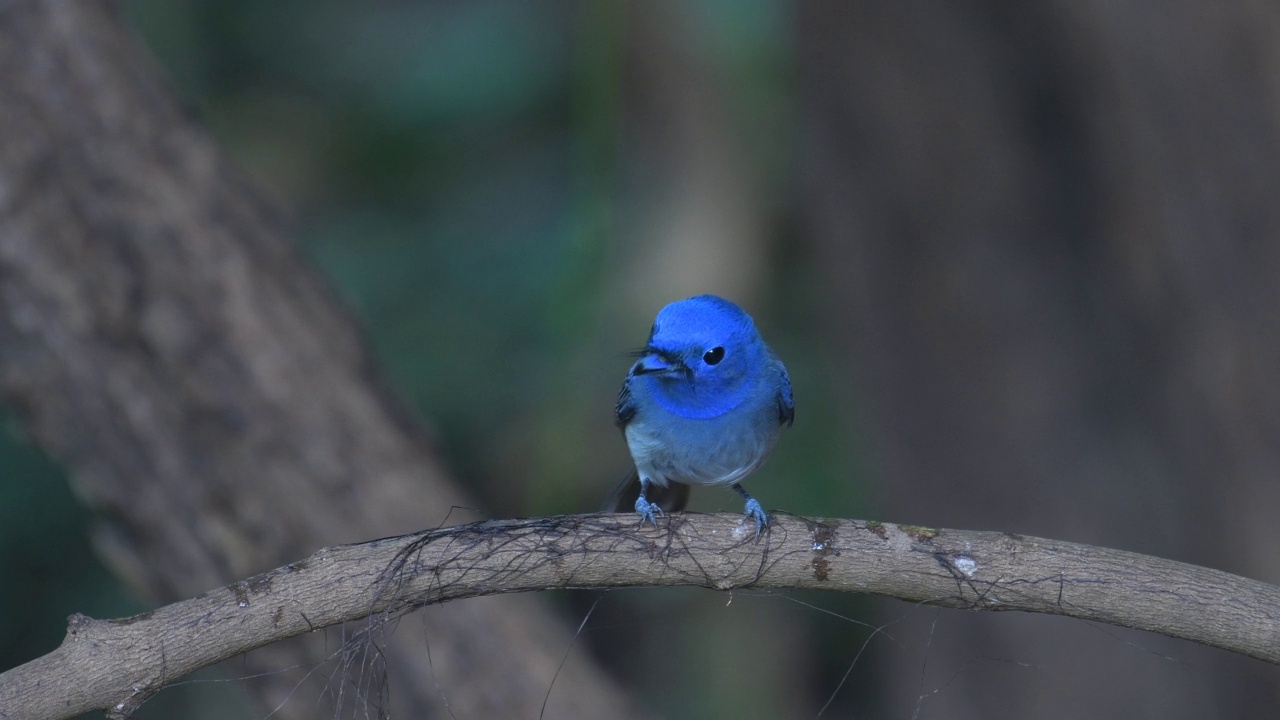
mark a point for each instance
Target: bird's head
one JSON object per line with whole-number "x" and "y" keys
{"x": 702, "y": 354}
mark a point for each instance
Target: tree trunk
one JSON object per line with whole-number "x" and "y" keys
{"x": 215, "y": 405}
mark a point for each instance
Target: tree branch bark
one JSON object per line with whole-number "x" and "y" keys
{"x": 115, "y": 665}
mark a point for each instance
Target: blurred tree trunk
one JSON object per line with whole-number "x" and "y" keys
{"x": 163, "y": 338}
{"x": 1050, "y": 231}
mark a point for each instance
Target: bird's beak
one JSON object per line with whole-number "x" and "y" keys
{"x": 657, "y": 362}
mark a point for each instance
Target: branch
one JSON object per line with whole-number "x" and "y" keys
{"x": 115, "y": 665}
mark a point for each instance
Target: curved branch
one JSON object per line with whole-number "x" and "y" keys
{"x": 116, "y": 664}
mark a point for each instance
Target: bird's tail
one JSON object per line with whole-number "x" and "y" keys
{"x": 671, "y": 498}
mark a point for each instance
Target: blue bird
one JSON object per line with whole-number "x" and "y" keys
{"x": 703, "y": 405}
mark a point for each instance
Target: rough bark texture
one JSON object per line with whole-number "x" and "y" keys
{"x": 163, "y": 338}
{"x": 115, "y": 665}
{"x": 1050, "y": 230}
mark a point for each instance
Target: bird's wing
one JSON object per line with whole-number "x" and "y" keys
{"x": 786, "y": 404}
{"x": 626, "y": 407}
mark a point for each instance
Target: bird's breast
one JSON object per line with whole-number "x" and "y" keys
{"x": 700, "y": 451}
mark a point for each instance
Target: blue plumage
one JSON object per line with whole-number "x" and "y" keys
{"x": 704, "y": 403}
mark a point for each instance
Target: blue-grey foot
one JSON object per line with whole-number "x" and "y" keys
{"x": 647, "y": 510}
{"x": 752, "y": 510}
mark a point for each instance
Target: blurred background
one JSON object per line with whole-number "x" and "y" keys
{"x": 1021, "y": 260}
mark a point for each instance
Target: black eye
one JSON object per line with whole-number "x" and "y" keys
{"x": 713, "y": 356}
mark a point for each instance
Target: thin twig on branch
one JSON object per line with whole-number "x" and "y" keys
{"x": 115, "y": 665}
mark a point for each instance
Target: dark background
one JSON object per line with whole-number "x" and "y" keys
{"x": 1021, "y": 261}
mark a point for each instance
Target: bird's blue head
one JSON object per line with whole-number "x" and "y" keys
{"x": 702, "y": 358}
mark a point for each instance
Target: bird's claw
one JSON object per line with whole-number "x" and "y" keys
{"x": 647, "y": 511}
{"x": 754, "y": 511}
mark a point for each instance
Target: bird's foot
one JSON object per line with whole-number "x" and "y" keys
{"x": 754, "y": 511}
{"x": 647, "y": 511}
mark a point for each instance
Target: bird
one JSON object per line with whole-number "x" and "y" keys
{"x": 703, "y": 404}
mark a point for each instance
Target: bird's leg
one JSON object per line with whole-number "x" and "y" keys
{"x": 753, "y": 509}
{"x": 647, "y": 509}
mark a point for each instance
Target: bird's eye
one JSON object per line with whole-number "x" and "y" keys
{"x": 713, "y": 356}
